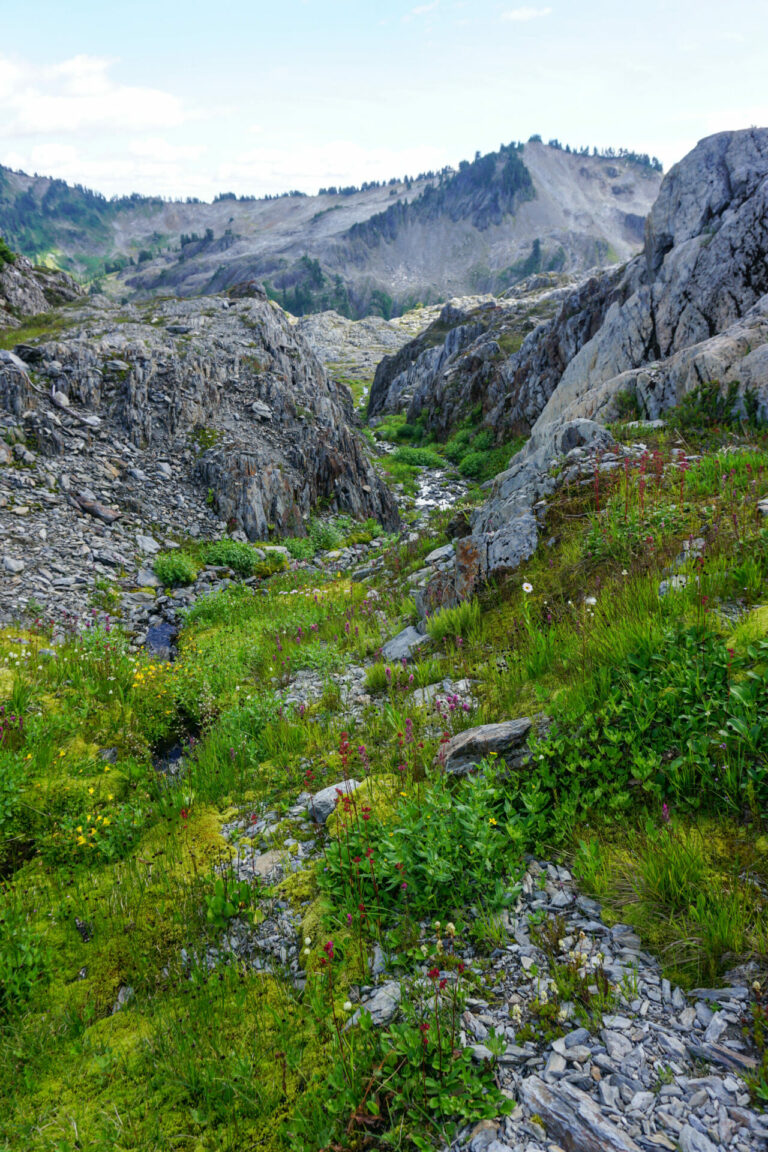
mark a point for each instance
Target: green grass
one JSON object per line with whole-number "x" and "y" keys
{"x": 652, "y": 783}
{"x": 45, "y": 326}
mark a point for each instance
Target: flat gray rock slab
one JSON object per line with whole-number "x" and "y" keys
{"x": 384, "y": 1002}
{"x": 323, "y": 802}
{"x": 402, "y": 646}
{"x": 573, "y": 1118}
{"x": 466, "y": 750}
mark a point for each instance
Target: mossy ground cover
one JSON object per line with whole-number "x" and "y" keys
{"x": 652, "y": 782}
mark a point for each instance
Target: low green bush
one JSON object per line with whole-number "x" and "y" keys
{"x": 301, "y": 547}
{"x": 472, "y": 465}
{"x": 439, "y": 855}
{"x": 241, "y": 558}
{"x": 418, "y": 457}
{"x": 174, "y": 568}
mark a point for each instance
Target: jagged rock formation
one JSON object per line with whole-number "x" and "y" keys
{"x": 481, "y": 229}
{"x": 187, "y": 418}
{"x": 695, "y": 305}
{"x": 27, "y": 291}
{"x": 691, "y": 308}
{"x": 460, "y": 362}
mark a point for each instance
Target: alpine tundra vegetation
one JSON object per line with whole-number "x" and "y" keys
{"x": 401, "y": 784}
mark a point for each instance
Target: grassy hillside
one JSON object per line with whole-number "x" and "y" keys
{"x": 118, "y": 886}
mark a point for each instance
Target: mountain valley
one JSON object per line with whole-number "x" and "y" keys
{"x": 383, "y": 752}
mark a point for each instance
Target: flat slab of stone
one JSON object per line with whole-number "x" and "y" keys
{"x": 467, "y": 749}
{"x": 402, "y": 646}
{"x": 323, "y": 802}
{"x": 440, "y": 554}
{"x": 573, "y": 1118}
{"x": 384, "y": 1002}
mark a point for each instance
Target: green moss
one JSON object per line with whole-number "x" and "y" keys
{"x": 753, "y": 627}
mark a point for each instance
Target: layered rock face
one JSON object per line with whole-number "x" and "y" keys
{"x": 698, "y": 306}
{"x": 27, "y": 291}
{"x": 461, "y": 361}
{"x": 184, "y": 418}
{"x": 692, "y": 308}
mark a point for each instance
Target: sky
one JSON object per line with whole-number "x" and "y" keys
{"x": 183, "y": 98}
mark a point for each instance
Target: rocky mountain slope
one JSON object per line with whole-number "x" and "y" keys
{"x": 27, "y": 291}
{"x": 185, "y": 418}
{"x": 499, "y": 218}
{"x": 460, "y": 362}
{"x": 691, "y": 308}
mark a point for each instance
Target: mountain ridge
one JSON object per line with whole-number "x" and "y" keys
{"x": 505, "y": 215}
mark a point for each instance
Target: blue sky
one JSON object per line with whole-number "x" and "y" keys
{"x": 177, "y": 98}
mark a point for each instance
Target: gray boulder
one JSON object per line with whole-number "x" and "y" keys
{"x": 322, "y": 804}
{"x": 508, "y": 741}
{"x": 573, "y": 1118}
{"x": 384, "y": 1003}
{"x": 402, "y": 646}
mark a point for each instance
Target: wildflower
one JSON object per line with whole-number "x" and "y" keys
{"x": 492, "y": 822}
{"x": 347, "y": 1005}
{"x": 328, "y": 949}
{"x": 90, "y": 791}
{"x": 307, "y": 941}
{"x": 527, "y": 587}
{"x": 450, "y": 929}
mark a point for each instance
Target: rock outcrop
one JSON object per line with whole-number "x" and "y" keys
{"x": 186, "y": 418}
{"x": 698, "y": 306}
{"x": 690, "y": 309}
{"x": 26, "y": 290}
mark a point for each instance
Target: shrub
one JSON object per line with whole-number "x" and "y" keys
{"x": 472, "y": 465}
{"x": 417, "y": 457}
{"x": 7, "y": 255}
{"x": 417, "y": 862}
{"x": 300, "y": 547}
{"x": 458, "y": 445}
{"x": 23, "y": 960}
{"x": 173, "y": 568}
{"x": 324, "y": 534}
{"x": 241, "y": 558}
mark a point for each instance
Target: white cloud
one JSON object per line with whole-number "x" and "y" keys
{"x": 311, "y": 167}
{"x": 77, "y": 96}
{"x": 156, "y": 148}
{"x": 521, "y": 15}
{"x": 422, "y": 10}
